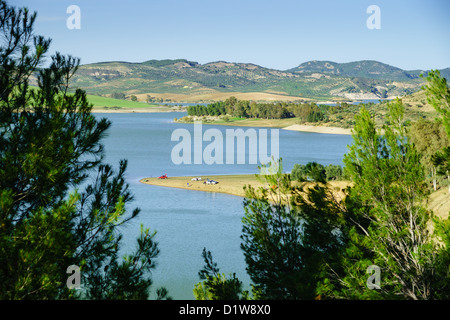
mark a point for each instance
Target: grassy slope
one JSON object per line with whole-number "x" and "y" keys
{"x": 105, "y": 103}
{"x": 179, "y": 80}
{"x": 110, "y": 105}
{"x": 98, "y": 101}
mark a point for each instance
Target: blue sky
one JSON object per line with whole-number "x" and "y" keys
{"x": 277, "y": 34}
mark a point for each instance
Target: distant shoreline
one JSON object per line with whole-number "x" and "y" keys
{"x": 136, "y": 110}
{"x": 281, "y": 123}
{"x": 319, "y": 129}
{"x": 285, "y": 124}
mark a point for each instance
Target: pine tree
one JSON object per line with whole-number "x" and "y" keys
{"x": 438, "y": 95}
{"x": 389, "y": 182}
{"x": 215, "y": 285}
{"x": 289, "y": 236}
{"x": 60, "y": 205}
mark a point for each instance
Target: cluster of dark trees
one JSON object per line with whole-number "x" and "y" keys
{"x": 150, "y": 99}
{"x": 317, "y": 172}
{"x": 309, "y": 112}
{"x": 123, "y": 96}
{"x": 118, "y": 95}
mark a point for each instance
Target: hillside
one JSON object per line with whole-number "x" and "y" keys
{"x": 358, "y": 69}
{"x": 186, "y": 81}
{"x": 362, "y": 69}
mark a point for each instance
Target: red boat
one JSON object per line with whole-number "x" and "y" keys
{"x": 163, "y": 177}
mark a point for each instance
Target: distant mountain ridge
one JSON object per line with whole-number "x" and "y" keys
{"x": 313, "y": 79}
{"x": 363, "y": 69}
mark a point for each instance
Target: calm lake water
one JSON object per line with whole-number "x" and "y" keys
{"x": 187, "y": 221}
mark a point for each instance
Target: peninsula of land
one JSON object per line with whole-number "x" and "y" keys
{"x": 438, "y": 201}
{"x": 230, "y": 184}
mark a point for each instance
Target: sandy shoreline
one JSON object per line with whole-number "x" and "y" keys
{"x": 229, "y": 184}
{"x": 318, "y": 129}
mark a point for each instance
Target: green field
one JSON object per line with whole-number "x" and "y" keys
{"x": 102, "y": 102}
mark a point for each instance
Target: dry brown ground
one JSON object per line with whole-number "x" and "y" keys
{"x": 231, "y": 184}
{"x": 220, "y": 96}
{"x": 439, "y": 202}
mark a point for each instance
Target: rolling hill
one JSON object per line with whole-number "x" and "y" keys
{"x": 181, "y": 80}
{"x": 358, "y": 69}
{"x": 362, "y": 69}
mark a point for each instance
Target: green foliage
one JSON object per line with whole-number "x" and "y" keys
{"x": 345, "y": 277}
{"x": 270, "y": 238}
{"x": 340, "y": 115}
{"x": 441, "y": 161}
{"x": 60, "y": 205}
{"x": 298, "y": 172}
{"x": 271, "y": 245}
{"x": 314, "y": 171}
{"x": 217, "y": 286}
{"x": 118, "y": 95}
{"x": 428, "y": 137}
{"x": 289, "y": 236}
{"x": 438, "y": 95}
{"x": 334, "y": 172}
{"x": 304, "y": 244}
{"x": 241, "y": 109}
{"x": 126, "y": 278}
{"x": 308, "y": 112}
{"x": 389, "y": 179}
{"x": 431, "y": 140}
{"x": 98, "y": 101}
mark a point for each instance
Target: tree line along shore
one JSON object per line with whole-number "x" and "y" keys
{"x": 335, "y": 118}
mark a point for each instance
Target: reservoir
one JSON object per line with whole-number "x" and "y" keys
{"x": 186, "y": 221}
